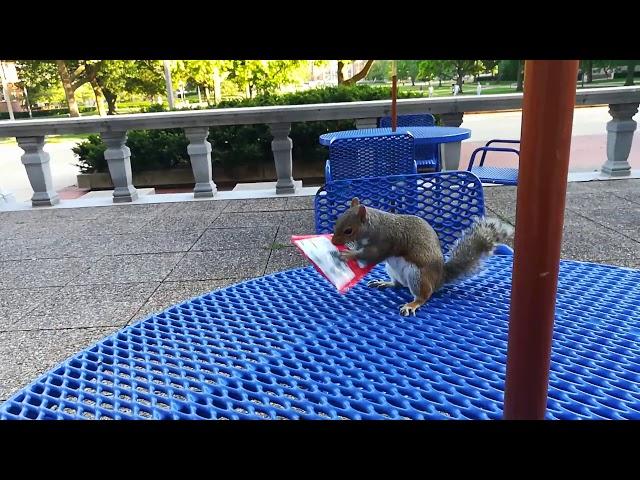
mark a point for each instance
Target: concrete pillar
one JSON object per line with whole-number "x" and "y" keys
{"x": 366, "y": 123}
{"x": 281, "y": 147}
{"x": 199, "y": 151}
{"x": 36, "y": 162}
{"x": 619, "y": 139}
{"x": 118, "y": 158}
{"x": 450, "y": 152}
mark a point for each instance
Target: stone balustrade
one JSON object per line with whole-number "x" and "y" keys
{"x": 30, "y": 134}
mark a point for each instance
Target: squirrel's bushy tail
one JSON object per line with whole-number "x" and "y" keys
{"x": 476, "y": 243}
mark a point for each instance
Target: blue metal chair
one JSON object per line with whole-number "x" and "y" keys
{"x": 500, "y": 175}
{"x": 450, "y": 201}
{"x": 427, "y": 156}
{"x": 370, "y": 156}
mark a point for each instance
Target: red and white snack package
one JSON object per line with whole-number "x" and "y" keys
{"x": 324, "y": 256}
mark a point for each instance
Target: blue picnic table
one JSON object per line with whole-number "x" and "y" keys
{"x": 289, "y": 346}
{"x": 426, "y": 140}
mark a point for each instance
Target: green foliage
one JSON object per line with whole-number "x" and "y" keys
{"x": 380, "y": 71}
{"x": 235, "y": 145}
{"x": 91, "y": 155}
{"x": 150, "y": 150}
{"x": 265, "y": 76}
{"x": 41, "y": 79}
{"x": 432, "y": 69}
{"x": 408, "y": 69}
{"x": 508, "y": 70}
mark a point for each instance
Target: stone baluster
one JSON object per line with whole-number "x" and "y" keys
{"x": 199, "y": 151}
{"x": 37, "y": 163}
{"x": 619, "y": 139}
{"x": 281, "y": 147}
{"x": 118, "y": 158}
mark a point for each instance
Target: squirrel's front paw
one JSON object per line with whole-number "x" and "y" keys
{"x": 379, "y": 284}
{"x": 347, "y": 255}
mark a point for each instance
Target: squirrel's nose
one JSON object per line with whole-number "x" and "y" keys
{"x": 334, "y": 241}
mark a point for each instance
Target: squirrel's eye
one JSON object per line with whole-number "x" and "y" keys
{"x": 347, "y": 231}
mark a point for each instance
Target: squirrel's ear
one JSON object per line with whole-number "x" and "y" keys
{"x": 355, "y": 201}
{"x": 362, "y": 213}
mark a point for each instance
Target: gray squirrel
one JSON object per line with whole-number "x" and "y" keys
{"x": 411, "y": 249}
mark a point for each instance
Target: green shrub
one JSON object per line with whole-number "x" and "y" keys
{"x": 91, "y": 155}
{"x": 236, "y": 145}
{"x": 150, "y": 150}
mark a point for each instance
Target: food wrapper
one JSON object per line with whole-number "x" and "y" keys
{"x": 324, "y": 256}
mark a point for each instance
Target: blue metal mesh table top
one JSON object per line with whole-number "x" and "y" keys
{"x": 421, "y": 135}
{"x": 288, "y": 346}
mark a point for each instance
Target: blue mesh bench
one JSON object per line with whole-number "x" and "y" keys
{"x": 500, "y": 175}
{"x": 288, "y": 346}
{"x": 425, "y": 138}
{"x": 427, "y": 155}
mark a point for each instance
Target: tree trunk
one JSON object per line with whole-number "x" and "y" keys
{"x": 111, "y": 99}
{"x": 459, "y": 80}
{"x": 631, "y": 68}
{"x": 217, "y": 86}
{"x": 439, "y": 82}
{"x": 519, "y": 81}
{"x": 340, "y": 74}
{"x": 68, "y": 88}
{"x": 207, "y": 95}
{"x": 97, "y": 91}
{"x": 358, "y": 76}
{"x": 589, "y": 70}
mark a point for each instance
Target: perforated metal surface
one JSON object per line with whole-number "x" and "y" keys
{"x": 427, "y": 155}
{"x": 449, "y": 201}
{"x": 421, "y": 135}
{"x": 502, "y": 175}
{"x": 289, "y": 346}
{"x": 371, "y": 156}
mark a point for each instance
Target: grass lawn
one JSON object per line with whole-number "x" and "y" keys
{"x": 71, "y": 137}
{"x": 494, "y": 88}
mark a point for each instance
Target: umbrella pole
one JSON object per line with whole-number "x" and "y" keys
{"x": 547, "y": 118}
{"x": 394, "y": 96}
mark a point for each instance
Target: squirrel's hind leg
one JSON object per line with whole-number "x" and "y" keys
{"x": 422, "y": 291}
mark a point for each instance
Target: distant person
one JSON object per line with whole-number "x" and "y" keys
{"x": 479, "y": 89}
{"x": 456, "y": 89}
{"x": 430, "y": 91}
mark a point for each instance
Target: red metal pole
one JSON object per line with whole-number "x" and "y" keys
{"x": 394, "y": 107}
{"x": 394, "y": 97}
{"x": 547, "y": 119}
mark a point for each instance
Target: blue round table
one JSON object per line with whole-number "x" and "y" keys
{"x": 421, "y": 135}
{"x": 288, "y": 346}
